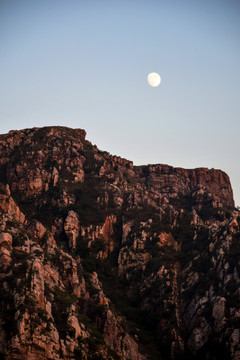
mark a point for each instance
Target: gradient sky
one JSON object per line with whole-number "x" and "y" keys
{"x": 85, "y": 63}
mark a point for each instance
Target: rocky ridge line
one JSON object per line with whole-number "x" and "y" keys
{"x": 101, "y": 259}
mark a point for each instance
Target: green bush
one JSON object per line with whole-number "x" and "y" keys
{"x": 64, "y": 298}
{"x": 91, "y": 264}
{"x": 98, "y": 245}
{"x": 113, "y": 354}
{"x": 62, "y": 301}
{"x": 95, "y": 311}
{"x": 82, "y": 248}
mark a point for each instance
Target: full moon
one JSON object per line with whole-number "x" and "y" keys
{"x": 153, "y": 79}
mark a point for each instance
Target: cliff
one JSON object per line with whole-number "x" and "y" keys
{"x": 101, "y": 259}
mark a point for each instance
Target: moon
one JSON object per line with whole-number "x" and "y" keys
{"x": 154, "y": 79}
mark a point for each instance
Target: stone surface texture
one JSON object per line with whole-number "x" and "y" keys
{"x": 101, "y": 259}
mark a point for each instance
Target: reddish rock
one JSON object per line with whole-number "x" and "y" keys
{"x": 165, "y": 239}
{"x": 71, "y": 228}
{"x": 108, "y": 233}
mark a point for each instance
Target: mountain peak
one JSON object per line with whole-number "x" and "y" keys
{"x": 101, "y": 259}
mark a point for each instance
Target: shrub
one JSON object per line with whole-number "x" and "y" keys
{"x": 91, "y": 264}
{"x": 95, "y": 311}
{"x": 98, "y": 245}
{"x": 62, "y": 300}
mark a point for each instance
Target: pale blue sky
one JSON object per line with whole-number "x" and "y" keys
{"x": 85, "y": 63}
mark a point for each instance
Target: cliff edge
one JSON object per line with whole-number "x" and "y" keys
{"x": 101, "y": 259}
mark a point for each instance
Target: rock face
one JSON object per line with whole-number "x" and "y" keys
{"x": 100, "y": 259}
{"x": 171, "y": 181}
{"x": 71, "y": 228}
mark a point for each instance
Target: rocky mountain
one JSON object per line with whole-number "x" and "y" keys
{"x": 101, "y": 259}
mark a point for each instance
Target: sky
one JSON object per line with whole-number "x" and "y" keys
{"x": 84, "y": 64}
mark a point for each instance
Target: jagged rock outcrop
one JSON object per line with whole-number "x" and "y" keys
{"x": 71, "y": 228}
{"x": 195, "y": 182}
{"x": 101, "y": 259}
